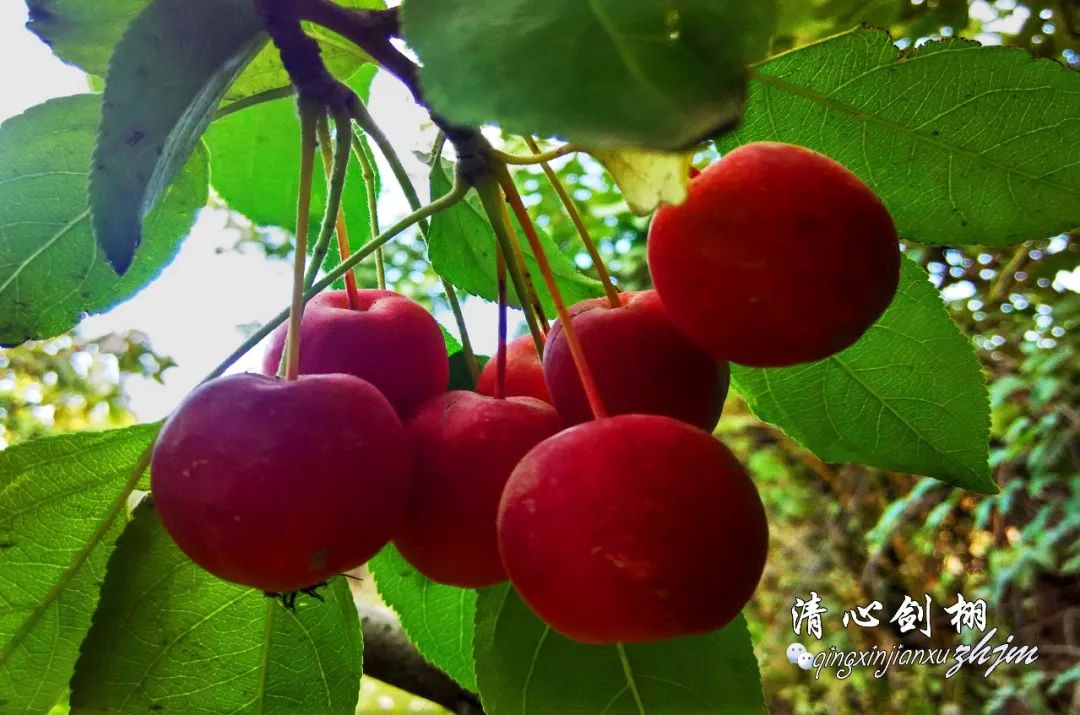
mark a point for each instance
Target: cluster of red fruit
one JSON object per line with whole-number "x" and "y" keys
{"x": 632, "y": 527}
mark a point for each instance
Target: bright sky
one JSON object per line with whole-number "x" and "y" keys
{"x": 194, "y": 312}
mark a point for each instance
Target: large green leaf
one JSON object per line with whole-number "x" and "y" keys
{"x": 523, "y": 666}
{"x": 461, "y": 247}
{"x": 438, "y": 619}
{"x": 910, "y": 396}
{"x": 165, "y": 80}
{"x": 60, "y": 499}
{"x": 608, "y": 73}
{"x": 255, "y": 167}
{"x": 84, "y": 33}
{"x": 342, "y": 58}
{"x": 168, "y": 636}
{"x": 51, "y": 268}
{"x": 964, "y": 144}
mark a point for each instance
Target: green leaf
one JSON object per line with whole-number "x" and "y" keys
{"x": 165, "y": 80}
{"x": 83, "y": 32}
{"x": 59, "y": 502}
{"x": 607, "y": 73}
{"x": 647, "y": 178}
{"x": 169, "y": 636}
{"x": 964, "y": 144}
{"x": 438, "y": 619}
{"x": 342, "y": 57}
{"x": 524, "y": 666}
{"x": 461, "y": 248}
{"x": 51, "y": 269}
{"x": 910, "y": 396}
{"x": 255, "y": 167}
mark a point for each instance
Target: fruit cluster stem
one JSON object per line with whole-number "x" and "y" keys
{"x": 518, "y": 257}
{"x": 500, "y": 355}
{"x": 538, "y": 157}
{"x": 572, "y": 340}
{"x": 342, "y": 230}
{"x": 456, "y": 194}
{"x": 309, "y": 114}
{"x": 335, "y": 188}
{"x": 368, "y": 171}
{"x": 492, "y": 200}
{"x": 365, "y": 121}
{"x": 579, "y": 224}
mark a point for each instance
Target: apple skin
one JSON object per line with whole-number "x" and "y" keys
{"x": 631, "y": 529}
{"x": 778, "y": 256}
{"x": 465, "y": 445}
{"x": 280, "y": 485}
{"x": 524, "y": 372}
{"x": 390, "y": 341}
{"x": 640, "y": 361}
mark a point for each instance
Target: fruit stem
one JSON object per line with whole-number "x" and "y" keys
{"x": 452, "y": 197}
{"x": 267, "y": 95}
{"x": 332, "y": 210}
{"x": 342, "y": 229}
{"x": 579, "y": 224}
{"x": 500, "y": 355}
{"x": 538, "y": 157}
{"x": 368, "y": 172}
{"x": 530, "y": 286}
{"x": 309, "y": 113}
{"x": 494, "y": 207}
{"x": 587, "y": 381}
{"x": 364, "y": 119}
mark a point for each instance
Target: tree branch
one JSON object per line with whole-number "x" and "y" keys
{"x": 389, "y": 656}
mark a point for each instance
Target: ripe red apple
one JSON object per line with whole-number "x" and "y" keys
{"x": 778, "y": 256}
{"x": 632, "y": 528}
{"x": 389, "y": 340}
{"x": 524, "y": 372}
{"x": 640, "y": 362}
{"x": 280, "y": 485}
{"x": 464, "y": 446}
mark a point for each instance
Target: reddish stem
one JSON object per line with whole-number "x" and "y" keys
{"x": 341, "y": 230}
{"x": 500, "y": 355}
{"x": 572, "y": 340}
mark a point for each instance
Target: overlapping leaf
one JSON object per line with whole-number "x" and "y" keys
{"x": 909, "y": 396}
{"x": 438, "y": 619}
{"x": 165, "y": 80}
{"x": 462, "y": 249}
{"x": 168, "y": 636}
{"x": 964, "y": 144}
{"x": 62, "y": 501}
{"x": 523, "y": 666}
{"x": 607, "y": 73}
{"x": 51, "y": 268}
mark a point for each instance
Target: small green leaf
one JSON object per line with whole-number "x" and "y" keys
{"x": 51, "y": 268}
{"x": 59, "y": 502}
{"x": 964, "y": 144}
{"x": 524, "y": 666}
{"x": 255, "y": 167}
{"x": 165, "y": 80}
{"x": 647, "y": 178}
{"x": 461, "y": 248}
{"x": 170, "y": 637}
{"x": 438, "y": 619}
{"x": 910, "y": 396}
{"x": 607, "y": 73}
{"x": 342, "y": 57}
